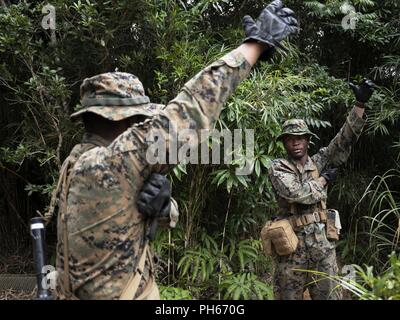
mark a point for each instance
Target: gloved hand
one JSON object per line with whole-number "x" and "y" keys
{"x": 363, "y": 91}
{"x": 329, "y": 174}
{"x": 154, "y": 200}
{"x": 275, "y": 23}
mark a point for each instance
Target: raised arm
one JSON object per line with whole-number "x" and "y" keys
{"x": 198, "y": 104}
{"x": 339, "y": 149}
{"x": 202, "y": 98}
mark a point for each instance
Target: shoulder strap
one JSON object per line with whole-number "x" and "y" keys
{"x": 315, "y": 175}
{"x": 292, "y": 205}
{"x": 66, "y": 282}
{"x": 315, "y": 172}
{"x": 62, "y": 191}
{"x": 61, "y": 181}
{"x": 69, "y": 162}
{"x": 132, "y": 286}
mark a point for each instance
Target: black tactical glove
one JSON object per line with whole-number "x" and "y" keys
{"x": 363, "y": 91}
{"x": 154, "y": 200}
{"x": 275, "y": 23}
{"x": 329, "y": 174}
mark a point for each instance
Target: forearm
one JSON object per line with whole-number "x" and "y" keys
{"x": 322, "y": 181}
{"x": 348, "y": 135}
{"x": 197, "y": 107}
{"x": 290, "y": 189}
{"x": 359, "y": 111}
{"x": 199, "y": 103}
{"x": 251, "y": 51}
{"x": 308, "y": 193}
{"x": 339, "y": 149}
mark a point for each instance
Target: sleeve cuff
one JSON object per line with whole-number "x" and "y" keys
{"x": 356, "y": 123}
{"x": 234, "y": 59}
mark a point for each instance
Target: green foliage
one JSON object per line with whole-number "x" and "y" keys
{"x": 371, "y": 25}
{"x": 197, "y": 264}
{"x": 215, "y": 251}
{"x": 209, "y": 270}
{"x": 245, "y": 286}
{"x": 386, "y": 116}
{"x": 172, "y": 293}
{"x": 368, "y": 286}
{"x": 385, "y": 286}
{"x": 384, "y": 217}
{"x": 272, "y": 94}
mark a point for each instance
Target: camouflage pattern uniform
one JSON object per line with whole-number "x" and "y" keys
{"x": 295, "y": 186}
{"x": 105, "y": 232}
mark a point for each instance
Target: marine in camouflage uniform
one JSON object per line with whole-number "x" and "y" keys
{"x": 106, "y": 233}
{"x": 99, "y": 225}
{"x": 301, "y": 194}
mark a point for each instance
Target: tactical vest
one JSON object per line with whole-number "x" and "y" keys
{"x": 300, "y": 215}
{"x": 61, "y": 192}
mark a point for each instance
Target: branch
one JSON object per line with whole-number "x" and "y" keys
{"x": 13, "y": 172}
{"x": 13, "y": 207}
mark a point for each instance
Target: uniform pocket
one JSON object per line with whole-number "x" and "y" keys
{"x": 321, "y": 239}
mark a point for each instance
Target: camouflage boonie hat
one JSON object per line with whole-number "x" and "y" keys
{"x": 297, "y": 127}
{"x": 114, "y": 96}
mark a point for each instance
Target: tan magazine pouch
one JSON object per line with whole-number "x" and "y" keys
{"x": 332, "y": 227}
{"x": 266, "y": 241}
{"x": 278, "y": 236}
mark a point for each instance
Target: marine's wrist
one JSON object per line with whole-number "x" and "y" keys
{"x": 360, "y": 104}
{"x": 252, "y": 50}
{"x": 323, "y": 181}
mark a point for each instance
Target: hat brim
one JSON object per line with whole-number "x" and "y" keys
{"x": 117, "y": 113}
{"x": 279, "y": 138}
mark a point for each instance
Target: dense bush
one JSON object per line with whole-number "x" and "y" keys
{"x": 215, "y": 251}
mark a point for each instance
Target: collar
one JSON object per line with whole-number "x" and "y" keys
{"x": 308, "y": 166}
{"x": 94, "y": 139}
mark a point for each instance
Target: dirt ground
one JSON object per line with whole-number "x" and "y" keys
{"x": 11, "y": 294}
{"x": 17, "y": 264}
{"x": 22, "y": 264}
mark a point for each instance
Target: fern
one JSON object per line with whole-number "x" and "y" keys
{"x": 245, "y": 286}
{"x": 197, "y": 265}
